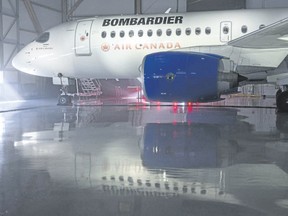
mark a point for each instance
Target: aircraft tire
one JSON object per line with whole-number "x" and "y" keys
{"x": 64, "y": 100}
{"x": 282, "y": 102}
{"x": 278, "y": 93}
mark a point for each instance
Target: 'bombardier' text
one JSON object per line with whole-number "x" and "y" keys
{"x": 143, "y": 21}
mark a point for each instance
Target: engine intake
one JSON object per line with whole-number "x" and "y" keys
{"x": 187, "y": 77}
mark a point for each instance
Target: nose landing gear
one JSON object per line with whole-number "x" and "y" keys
{"x": 282, "y": 100}
{"x": 64, "y": 98}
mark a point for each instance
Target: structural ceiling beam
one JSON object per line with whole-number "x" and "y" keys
{"x": 74, "y": 7}
{"x": 46, "y": 7}
{"x": 33, "y": 16}
{"x": 138, "y": 6}
{"x": 1, "y": 38}
{"x": 64, "y": 10}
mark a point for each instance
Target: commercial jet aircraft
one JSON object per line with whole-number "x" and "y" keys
{"x": 189, "y": 57}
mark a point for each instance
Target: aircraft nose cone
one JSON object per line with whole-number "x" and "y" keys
{"x": 20, "y": 62}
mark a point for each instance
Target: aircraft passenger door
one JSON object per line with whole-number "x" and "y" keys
{"x": 83, "y": 38}
{"x": 226, "y": 31}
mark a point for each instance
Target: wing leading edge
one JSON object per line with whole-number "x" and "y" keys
{"x": 273, "y": 36}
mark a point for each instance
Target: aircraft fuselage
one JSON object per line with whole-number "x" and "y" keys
{"x": 114, "y": 47}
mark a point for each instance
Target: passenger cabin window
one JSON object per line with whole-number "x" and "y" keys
{"x": 140, "y": 33}
{"x": 131, "y": 33}
{"x": 122, "y": 34}
{"x": 262, "y": 26}
{"x": 208, "y": 31}
{"x": 159, "y": 32}
{"x": 244, "y": 29}
{"x": 225, "y": 30}
{"x": 149, "y": 33}
{"x": 43, "y": 38}
{"x": 178, "y": 32}
{"x": 188, "y": 31}
{"x": 113, "y": 34}
{"x": 198, "y": 31}
{"x": 104, "y": 34}
{"x": 168, "y": 32}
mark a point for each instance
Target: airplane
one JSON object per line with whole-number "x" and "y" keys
{"x": 182, "y": 57}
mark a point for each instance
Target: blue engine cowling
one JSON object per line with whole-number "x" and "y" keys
{"x": 184, "y": 76}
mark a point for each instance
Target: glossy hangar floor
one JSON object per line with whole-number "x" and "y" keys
{"x": 143, "y": 160}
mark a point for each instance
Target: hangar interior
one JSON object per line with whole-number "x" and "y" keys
{"x": 23, "y": 20}
{"x": 224, "y": 158}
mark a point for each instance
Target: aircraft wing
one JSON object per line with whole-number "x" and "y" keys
{"x": 270, "y": 37}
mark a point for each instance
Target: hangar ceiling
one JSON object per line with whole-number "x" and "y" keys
{"x": 206, "y": 5}
{"x": 90, "y": 8}
{"x": 266, "y": 3}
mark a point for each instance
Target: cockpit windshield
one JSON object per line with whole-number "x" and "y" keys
{"x": 43, "y": 38}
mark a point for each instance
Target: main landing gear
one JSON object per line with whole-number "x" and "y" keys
{"x": 282, "y": 100}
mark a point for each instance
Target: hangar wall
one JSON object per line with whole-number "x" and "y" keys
{"x": 90, "y": 8}
{"x": 20, "y": 22}
{"x": 206, "y": 5}
{"x": 266, "y": 3}
{"x": 150, "y": 6}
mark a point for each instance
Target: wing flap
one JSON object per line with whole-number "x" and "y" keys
{"x": 271, "y": 37}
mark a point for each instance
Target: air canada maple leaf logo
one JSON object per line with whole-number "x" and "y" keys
{"x": 82, "y": 38}
{"x": 105, "y": 47}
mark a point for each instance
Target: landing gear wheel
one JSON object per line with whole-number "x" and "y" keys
{"x": 282, "y": 102}
{"x": 278, "y": 93}
{"x": 64, "y": 100}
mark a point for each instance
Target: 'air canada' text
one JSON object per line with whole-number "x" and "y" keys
{"x": 143, "y": 21}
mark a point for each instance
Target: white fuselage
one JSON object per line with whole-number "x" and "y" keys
{"x": 113, "y": 47}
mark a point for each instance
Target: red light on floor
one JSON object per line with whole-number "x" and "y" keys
{"x": 190, "y": 107}
{"x": 175, "y": 107}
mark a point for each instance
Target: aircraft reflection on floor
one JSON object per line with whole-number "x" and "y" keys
{"x": 212, "y": 156}
{"x": 180, "y": 145}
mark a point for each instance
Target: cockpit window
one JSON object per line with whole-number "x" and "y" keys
{"x": 43, "y": 38}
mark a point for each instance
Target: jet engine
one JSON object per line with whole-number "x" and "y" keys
{"x": 187, "y": 77}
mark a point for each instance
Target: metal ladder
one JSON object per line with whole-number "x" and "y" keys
{"x": 89, "y": 88}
